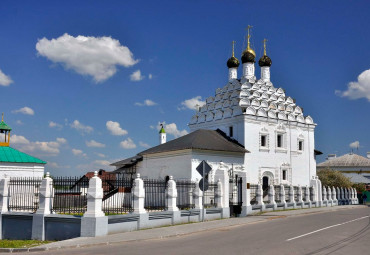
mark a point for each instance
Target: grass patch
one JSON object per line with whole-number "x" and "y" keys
{"x": 21, "y": 243}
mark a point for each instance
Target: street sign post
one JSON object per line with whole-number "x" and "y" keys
{"x": 203, "y": 169}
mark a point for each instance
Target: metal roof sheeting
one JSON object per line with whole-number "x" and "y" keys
{"x": 10, "y": 155}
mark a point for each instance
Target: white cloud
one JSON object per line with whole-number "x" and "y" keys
{"x": 19, "y": 122}
{"x": 115, "y": 128}
{"x": 25, "y": 110}
{"x": 81, "y": 127}
{"x": 354, "y": 145}
{"x": 53, "y": 124}
{"x": 100, "y": 154}
{"x": 77, "y": 152}
{"x": 172, "y": 129}
{"x": 101, "y": 162}
{"x": 146, "y": 102}
{"x": 192, "y": 103}
{"x": 5, "y": 80}
{"x": 357, "y": 89}
{"x": 136, "y": 76}
{"x": 94, "y": 144}
{"x": 150, "y": 76}
{"x": 128, "y": 144}
{"x": 87, "y": 55}
{"x": 145, "y": 145}
{"x": 95, "y": 165}
{"x": 51, "y": 148}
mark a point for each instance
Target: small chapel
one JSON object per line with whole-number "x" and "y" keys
{"x": 14, "y": 163}
{"x": 247, "y": 125}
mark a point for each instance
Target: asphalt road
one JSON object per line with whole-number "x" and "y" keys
{"x": 338, "y": 232}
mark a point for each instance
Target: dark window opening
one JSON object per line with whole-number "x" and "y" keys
{"x": 284, "y": 175}
{"x": 231, "y": 132}
{"x": 300, "y": 145}
{"x": 279, "y": 141}
{"x": 263, "y": 141}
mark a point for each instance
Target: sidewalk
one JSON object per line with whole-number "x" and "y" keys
{"x": 179, "y": 230}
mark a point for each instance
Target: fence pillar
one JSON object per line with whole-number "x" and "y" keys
{"x": 259, "y": 197}
{"x": 94, "y": 222}
{"x": 198, "y": 196}
{"x": 171, "y": 195}
{"x": 246, "y": 195}
{"x": 219, "y": 195}
{"x": 272, "y": 197}
{"x": 282, "y": 196}
{"x": 307, "y": 196}
{"x": 350, "y": 196}
{"x": 4, "y": 199}
{"x": 330, "y": 198}
{"x": 38, "y": 219}
{"x": 222, "y": 175}
{"x": 334, "y": 195}
{"x": 300, "y": 196}
{"x": 339, "y": 197}
{"x": 355, "y": 196}
{"x": 291, "y": 196}
{"x": 324, "y": 200}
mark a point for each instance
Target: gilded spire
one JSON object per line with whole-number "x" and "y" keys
{"x": 264, "y": 47}
{"x": 233, "y": 43}
{"x": 248, "y": 37}
{"x": 2, "y": 117}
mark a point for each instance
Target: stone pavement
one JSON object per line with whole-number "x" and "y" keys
{"x": 184, "y": 229}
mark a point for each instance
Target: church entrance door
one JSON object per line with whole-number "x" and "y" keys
{"x": 265, "y": 185}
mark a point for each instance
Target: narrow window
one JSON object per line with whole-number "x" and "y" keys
{"x": 279, "y": 141}
{"x": 300, "y": 145}
{"x": 284, "y": 175}
{"x": 263, "y": 140}
{"x": 231, "y": 131}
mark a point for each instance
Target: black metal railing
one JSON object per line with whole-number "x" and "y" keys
{"x": 69, "y": 195}
{"x": 155, "y": 194}
{"x": 286, "y": 188}
{"x": 24, "y": 194}
{"x": 185, "y": 189}
{"x": 209, "y": 195}
{"x": 117, "y": 198}
{"x": 253, "y": 193}
{"x": 296, "y": 189}
{"x": 277, "y": 189}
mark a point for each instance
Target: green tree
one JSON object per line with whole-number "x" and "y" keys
{"x": 330, "y": 177}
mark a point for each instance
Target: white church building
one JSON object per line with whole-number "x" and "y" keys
{"x": 250, "y": 113}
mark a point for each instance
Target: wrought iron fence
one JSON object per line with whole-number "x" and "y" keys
{"x": 235, "y": 191}
{"x": 296, "y": 189}
{"x": 253, "y": 196}
{"x": 277, "y": 189}
{"x": 24, "y": 194}
{"x": 155, "y": 194}
{"x": 117, "y": 191}
{"x": 69, "y": 195}
{"x": 286, "y": 188}
{"x": 185, "y": 189}
{"x": 209, "y": 195}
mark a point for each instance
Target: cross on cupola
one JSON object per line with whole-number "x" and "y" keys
{"x": 5, "y": 129}
{"x": 248, "y": 58}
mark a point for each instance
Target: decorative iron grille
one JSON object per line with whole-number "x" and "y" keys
{"x": 209, "y": 195}
{"x": 155, "y": 194}
{"x": 24, "y": 194}
{"x": 117, "y": 191}
{"x": 277, "y": 189}
{"x": 69, "y": 195}
{"x": 185, "y": 189}
{"x": 253, "y": 193}
{"x": 296, "y": 188}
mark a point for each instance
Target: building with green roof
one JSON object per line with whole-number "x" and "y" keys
{"x": 14, "y": 163}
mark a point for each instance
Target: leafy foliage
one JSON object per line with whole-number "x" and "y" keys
{"x": 330, "y": 177}
{"x": 360, "y": 187}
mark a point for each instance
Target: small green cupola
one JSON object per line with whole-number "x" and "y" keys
{"x": 5, "y": 129}
{"x": 162, "y": 130}
{"x": 162, "y": 135}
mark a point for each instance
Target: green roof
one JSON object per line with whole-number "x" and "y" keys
{"x": 162, "y": 130}
{"x": 8, "y": 154}
{"x": 4, "y": 126}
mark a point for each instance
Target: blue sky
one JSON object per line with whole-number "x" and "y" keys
{"x": 82, "y": 105}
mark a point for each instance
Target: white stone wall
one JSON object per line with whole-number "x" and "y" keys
{"x": 21, "y": 170}
{"x": 271, "y": 161}
{"x": 183, "y": 164}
